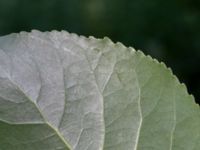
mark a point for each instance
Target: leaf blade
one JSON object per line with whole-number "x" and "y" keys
{"x": 92, "y": 94}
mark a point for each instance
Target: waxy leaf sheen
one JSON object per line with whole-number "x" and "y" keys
{"x": 61, "y": 91}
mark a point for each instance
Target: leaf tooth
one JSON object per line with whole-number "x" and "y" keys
{"x": 107, "y": 41}
{"x": 92, "y": 38}
{"x": 120, "y": 45}
{"x": 131, "y": 50}
{"x": 176, "y": 80}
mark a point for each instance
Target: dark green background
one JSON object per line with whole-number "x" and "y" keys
{"x": 168, "y": 30}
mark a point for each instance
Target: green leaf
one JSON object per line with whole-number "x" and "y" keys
{"x": 60, "y": 91}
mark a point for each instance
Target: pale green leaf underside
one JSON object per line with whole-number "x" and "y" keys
{"x": 60, "y": 91}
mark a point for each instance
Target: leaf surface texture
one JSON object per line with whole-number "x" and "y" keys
{"x": 60, "y": 91}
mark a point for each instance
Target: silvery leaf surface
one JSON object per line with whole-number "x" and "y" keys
{"x": 60, "y": 91}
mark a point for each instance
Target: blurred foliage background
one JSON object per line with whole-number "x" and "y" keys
{"x": 167, "y": 30}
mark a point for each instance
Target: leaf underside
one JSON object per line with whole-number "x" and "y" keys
{"x": 60, "y": 91}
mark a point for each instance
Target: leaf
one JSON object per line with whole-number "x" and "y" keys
{"x": 59, "y": 91}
